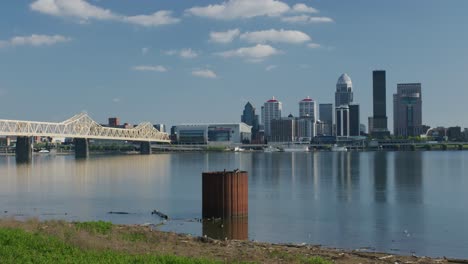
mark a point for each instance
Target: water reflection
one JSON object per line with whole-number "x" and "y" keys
{"x": 235, "y": 228}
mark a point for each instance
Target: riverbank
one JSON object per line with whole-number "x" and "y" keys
{"x": 93, "y": 242}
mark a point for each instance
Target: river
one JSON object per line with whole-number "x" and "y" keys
{"x": 397, "y": 202}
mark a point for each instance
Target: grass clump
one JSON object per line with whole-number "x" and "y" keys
{"x": 18, "y": 246}
{"x": 100, "y": 227}
{"x": 134, "y": 237}
{"x": 316, "y": 260}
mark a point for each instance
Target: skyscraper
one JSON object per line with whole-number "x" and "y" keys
{"x": 326, "y": 116}
{"x": 271, "y": 110}
{"x": 407, "y": 110}
{"x": 307, "y": 108}
{"x": 379, "y": 126}
{"x": 342, "y": 121}
{"x": 354, "y": 120}
{"x": 344, "y": 91}
{"x": 250, "y": 118}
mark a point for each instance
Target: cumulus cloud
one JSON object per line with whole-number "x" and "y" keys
{"x": 224, "y": 36}
{"x": 84, "y": 12}
{"x": 306, "y": 19}
{"x": 254, "y": 53}
{"x": 233, "y": 9}
{"x": 151, "y": 68}
{"x": 313, "y": 45}
{"x": 205, "y": 74}
{"x": 34, "y": 40}
{"x": 159, "y": 18}
{"x": 183, "y": 53}
{"x": 303, "y": 8}
{"x": 275, "y": 36}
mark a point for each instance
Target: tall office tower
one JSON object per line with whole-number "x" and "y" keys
{"x": 342, "y": 121}
{"x": 379, "y": 128}
{"x": 354, "y": 120}
{"x": 114, "y": 121}
{"x": 344, "y": 91}
{"x": 250, "y": 118}
{"x": 271, "y": 110}
{"x": 326, "y": 116}
{"x": 307, "y": 108}
{"x": 407, "y": 110}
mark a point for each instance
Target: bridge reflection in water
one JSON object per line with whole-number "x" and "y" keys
{"x": 235, "y": 228}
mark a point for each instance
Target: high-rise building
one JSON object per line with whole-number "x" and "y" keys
{"x": 326, "y": 116}
{"x": 250, "y": 118}
{"x": 283, "y": 129}
{"x": 344, "y": 91}
{"x": 307, "y": 108}
{"x": 407, "y": 110}
{"x": 342, "y": 121}
{"x": 354, "y": 120}
{"x": 271, "y": 110}
{"x": 379, "y": 126}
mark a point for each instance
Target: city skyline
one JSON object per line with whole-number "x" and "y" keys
{"x": 177, "y": 63}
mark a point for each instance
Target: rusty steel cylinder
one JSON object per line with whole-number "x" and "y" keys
{"x": 225, "y": 194}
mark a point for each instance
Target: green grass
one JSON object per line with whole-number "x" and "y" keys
{"x": 134, "y": 237}
{"x": 99, "y": 227}
{"x": 18, "y": 246}
{"x": 316, "y": 260}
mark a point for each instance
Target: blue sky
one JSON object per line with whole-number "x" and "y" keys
{"x": 200, "y": 61}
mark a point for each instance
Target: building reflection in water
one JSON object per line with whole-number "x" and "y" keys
{"x": 235, "y": 228}
{"x": 380, "y": 168}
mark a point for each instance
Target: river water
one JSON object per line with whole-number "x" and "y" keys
{"x": 397, "y": 202}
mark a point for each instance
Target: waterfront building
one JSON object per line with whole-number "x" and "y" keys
{"x": 379, "y": 120}
{"x": 344, "y": 90}
{"x": 160, "y": 127}
{"x": 362, "y": 129}
{"x": 407, "y": 110}
{"x": 215, "y": 133}
{"x": 307, "y": 108}
{"x": 342, "y": 121}
{"x": 354, "y": 120}
{"x": 271, "y": 110}
{"x": 326, "y": 116}
{"x": 114, "y": 122}
{"x": 250, "y": 118}
{"x": 305, "y": 129}
{"x": 454, "y": 134}
{"x": 283, "y": 129}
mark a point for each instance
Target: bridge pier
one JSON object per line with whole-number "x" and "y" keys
{"x": 145, "y": 148}
{"x": 81, "y": 148}
{"x": 23, "y": 150}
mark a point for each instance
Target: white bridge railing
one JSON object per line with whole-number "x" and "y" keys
{"x": 81, "y": 126}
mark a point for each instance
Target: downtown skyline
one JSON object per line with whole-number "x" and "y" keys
{"x": 174, "y": 63}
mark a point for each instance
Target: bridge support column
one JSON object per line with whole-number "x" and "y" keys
{"x": 81, "y": 148}
{"x": 23, "y": 150}
{"x": 145, "y": 148}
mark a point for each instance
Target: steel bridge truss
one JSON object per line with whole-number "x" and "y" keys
{"x": 82, "y": 126}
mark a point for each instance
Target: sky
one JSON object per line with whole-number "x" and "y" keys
{"x": 193, "y": 61}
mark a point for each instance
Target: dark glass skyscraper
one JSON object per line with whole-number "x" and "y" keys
{"x": 250, "y": 118}
{"x": 354, "y": 120}
{"x": 326, "y": 116}
{"x": 379, "y": 128}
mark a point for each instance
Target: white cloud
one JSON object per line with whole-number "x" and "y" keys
{"x": 275, "y": 36}
{"x": 72, "y": 8}
{"x": 225, "y": 36}
{"x": 155, "y": 68}
{"x": 313, "y": 45}
{"x": 183, "y": 53}
{"x": 254, "y": 53}
{"x": 303, "y": 8}
{"x": 233, "y": 9}
{"x": 306, "y": 19}
{"x": 145, "y": 50}
{"x": 204, "y": 74}
{"x": 34, "y": 40}
{"x": 84, "y": 11}
{"x": 188, "y": 54}
{"x": 159, "y": 18}
{"x": 271, "y": 67}
{"x": 116, "y": 100}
